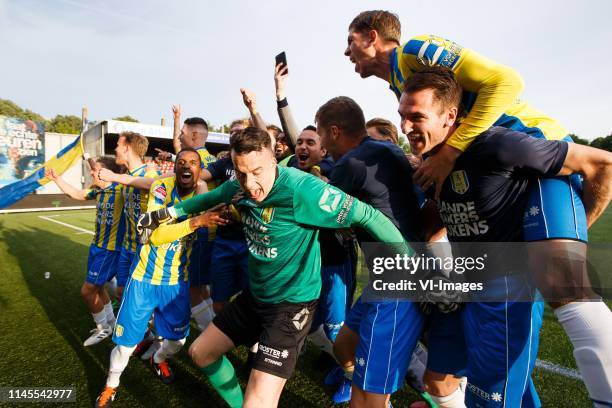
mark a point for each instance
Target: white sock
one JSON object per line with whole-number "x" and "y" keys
{"x": 589, "y": 327}
{"x": 110, "y": 314}
{"x": 463, "y": 384}
{"x": 320, "y": 339}
{"x": 168, "y": 349}
{"x": 417, "y": 367}
{"x": 201, "y": 314}
{"x": 99, "y": 318}
{"x": 119, "y": 358}
{"x": 112, "y": 287}
{"x": 210, "y": 311}
{"x": 454, "y": 400}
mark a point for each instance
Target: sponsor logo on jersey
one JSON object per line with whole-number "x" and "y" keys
{"x": 462, "y": 219}
{"x": 459, "y": 181}
{"x": 267, "y": 214}
{"x": 160, "y": 192}
{"x": 329, "y": 200}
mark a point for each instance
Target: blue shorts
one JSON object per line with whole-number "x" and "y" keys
{"x": 101, "y": 265}
{"x": 335, "y": 299}
{"x": 170, "y": 304}
{"x": 555, "y": 210}
{"x": 495, "y": 345}
{"x": 229, "y": 268}
{"x": 554, "y": 207}
{"x": 124, "y": 266}
{"x": 199, "y": 261}
{"x": 388, "y": 333}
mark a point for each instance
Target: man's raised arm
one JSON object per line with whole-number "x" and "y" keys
{"x": 142, "y": 183}
{"x": 284, "y": 113}
{"x": 250, "y": 102}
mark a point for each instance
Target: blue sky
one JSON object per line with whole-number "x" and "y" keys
{"x": 140, "y": 57}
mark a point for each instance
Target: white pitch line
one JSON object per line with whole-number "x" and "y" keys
{"x": 84, "y": 231}
{"x": 559, "y": 370}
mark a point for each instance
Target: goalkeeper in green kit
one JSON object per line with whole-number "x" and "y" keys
{"x": 280, "y": 209}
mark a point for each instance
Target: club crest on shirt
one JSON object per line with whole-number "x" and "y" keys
{"x": 329, "y": 200}
{"x": 459, "y": 181}
{"x": 267, "y": 214}
{"x": 160, "y": 192}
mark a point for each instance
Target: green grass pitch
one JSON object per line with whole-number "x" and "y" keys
{"x": 44, "y": 322}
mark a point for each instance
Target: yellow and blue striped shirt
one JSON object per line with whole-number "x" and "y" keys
{"x": 110, "y": 222}
{"x": 491, "y": 91}
{"x": 135, "y": 202}
{"x": 206, "y": 159}
{"x": 164, "y": 264}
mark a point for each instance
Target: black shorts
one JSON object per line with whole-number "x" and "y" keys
{"x": 280, "y": 329}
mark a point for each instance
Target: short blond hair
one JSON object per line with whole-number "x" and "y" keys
{"x": 137, "y": 142}
{"x": 384, "y": 127}
{"x": 245, "y": 122}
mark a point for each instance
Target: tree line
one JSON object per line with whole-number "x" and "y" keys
{"x": 604, "y": 143}
{"x": 71, "y": 124}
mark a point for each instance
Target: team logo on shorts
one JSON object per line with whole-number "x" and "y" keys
{"x": 300, "y": 319}
{"x": 267, "y": 214}
{"x": 459, "y": 181}
{"x": 329, "y": 200}
{"x": 119, "y": 330}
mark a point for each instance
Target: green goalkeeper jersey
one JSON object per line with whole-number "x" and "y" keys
{"x": 282, "y": 234}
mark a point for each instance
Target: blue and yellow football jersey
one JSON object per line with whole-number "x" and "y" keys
{"x": 110, "y": 222}
{"x": 206, "y": 159}
{"x": 164, "y": 264}
{"x": 135, "y": 202}
{"x": 491, "y": 90}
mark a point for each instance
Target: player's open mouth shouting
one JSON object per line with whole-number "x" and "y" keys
{"x": 186, "y": 176}
{"x": 302, "y": 158}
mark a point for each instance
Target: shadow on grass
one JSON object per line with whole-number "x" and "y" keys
{"x": 38, "y": 251}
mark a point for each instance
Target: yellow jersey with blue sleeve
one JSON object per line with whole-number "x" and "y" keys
{"x": 206, "y": 158}
{"x": 110, "y": 222}
{"x": 167, "y": 263}
{"x": 135, "y": 202}
{"x": 491, "y": 90}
